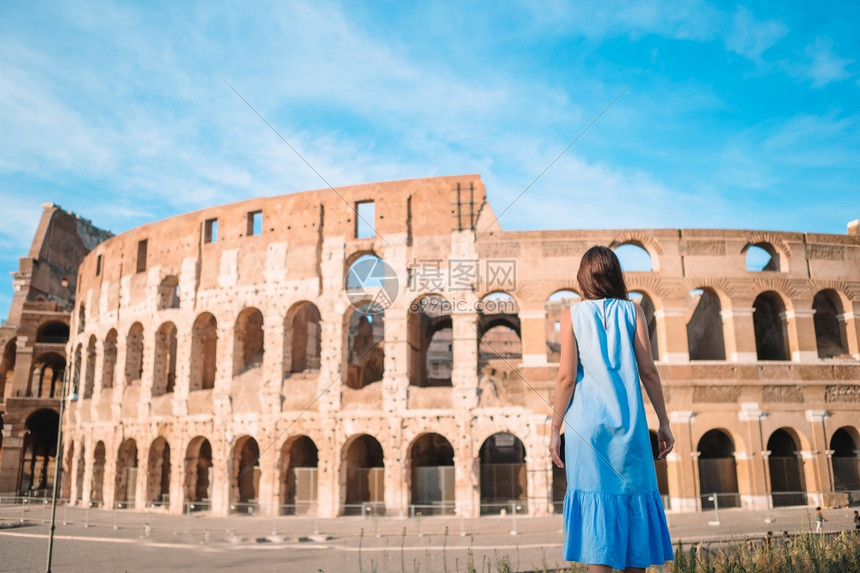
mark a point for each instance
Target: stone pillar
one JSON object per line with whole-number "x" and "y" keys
{"x": 739, "y": 334}
{"x": 177, "y": 476}
{"x": 672, "y": 334}
{"x": 815, "y": 461}
{"x": 141, "y": 487}
{"x": 851, "y": 321}
{"x": 89, "y": 460}
{"x": 273, "y": 364}
{"x": 221, "y": 464}
{"x": 465, "y": 341}
{"x": 149, "y": 340}
{"x": 395, "y": 380}
{"x": 267, "y": 488}
{"x": 682, "y": 466}
{"x": 332, "y": 363}
{"x": 467, "y": 469}
{"x": 533, "y": 336}
{"x": 801, "y": 335}
{"x": 539, "y": 467}
{"x": 328, "y": 475}
{"x": 222, "y": 407}
{"x": 183, "y": 371}
{"x": 395, "y": 478}
{"x": 752, "y": 468}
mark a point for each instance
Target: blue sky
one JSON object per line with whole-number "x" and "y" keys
{"x": 741, "y": 115}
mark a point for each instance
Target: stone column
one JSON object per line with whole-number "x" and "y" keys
{"x": 681, "y": 466}
{"x": 851, "y": 319}
{"x": 182, "y": 388}
{"x": 752, "y": 478}
{"x": 267, "y": 488}
{"x": 739, "y": 334}
{"x": 539, "y": 467}
{"x": 801, "y": 335}
{"x": 533, "y": 336}
{"x": 395, "y": 479}
{"x": 465, "y": 341}
{"x": 467, "y": 469}
{"x": 816, "y": 460}
{"x": 177, "y": 476}
{"x": 672, "y": 334}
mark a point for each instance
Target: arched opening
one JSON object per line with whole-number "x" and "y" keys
{"x": 204, "y": 352}
{"x": 661, "y": 468}
{"x": 365, "y": 473}
{"x": 762, "y": 257}
{"x": 559, "y": 481}
{"x": 787, "y": 483}
{"x": 503, "y": 474}
{"x": 168, "y": 293}
{"x": 647, "y": 305}
{"x": 302, "y": 339}
{"x": 90, "y": 370}
{"x": 76, "y": 371}
{"x": 97, "y": 491}
{"x": 40, "y": 453}
{"x": 498, "y": 331}
{"x": 718, "y": 473}
{"x": 634, "y": 258}
{"x": 47, "y": 376}
{"x": 164, "y": 363}
{"x": 134, "y": 354}
{"x": 245, "y": 482}
{"x": 82, "y": 319}
{"x": 7, "y": 364}
{"x": 771, "y": 331}
{"x": 158, "y": 474}
{"x": 80, "y": 466}
{"x": 248, "y": 346}
{"x": 431, "y": 461}
{"x": 53, "y": 332}
{"x": 109, "y": 359}
{"x": 830, "y": 332}
{"x": 430, "y": 338}
{"x": 846, "y": 462}
{"x": 198, "y": 473}
{"x": 365, "y": 346}
{"x": 557, "y": 303}
{"x": 299, "y": 461}
{"x": 705, "y": 325}
{"x": 126, "y": 475}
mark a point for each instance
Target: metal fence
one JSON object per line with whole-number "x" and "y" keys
{"x": 788, "y": 498}
{"x": 721, "y": 500}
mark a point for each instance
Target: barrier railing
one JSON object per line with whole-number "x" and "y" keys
{"x": 788, "y": 498}
{"x": 438, "y": 508}
{"x": 504, "y": 507}
{"x": 367, "y": 508}
{"x": 720, "y": 500}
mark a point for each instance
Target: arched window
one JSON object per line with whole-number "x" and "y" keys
{"x": 245, "y": 477}
{"x": 787, "y": 483}
{"x": 633, "y": 258}
{"x": 503, "y": 474}
{"x": 431, "y": 344}
{"x": 431, "y": 461}
{"x": 158, "y": 473}
{"x": 302, "y": 339}
{"x": 47, "y": 376}
{"x": 164, "y": 365}
{"x": 125, "y": 488}
{"x": 90, "y": 371}
{"x": 718, "y": 474}
{"x": 204, "y": 352}
{"x": 647, "y": 305}
{"x": 557, "y": 303}
{"x": 365, "y": 346}
{"x": 829, "y": 325}
{"x": 299, "y": 461}
{"x": 762, "y": 257}
{"x": 7, "y": 364}
{"x": 168, "y": 293}
{"x": 498, "y": 330}
{"x": 134, "y": 353}
{"x": 109, "y": 359}
{"x": 53, "y": 332}
{"x": 198, "y": 473}
{"x": 39, "y": 453}
{"x": 769, "y": 323}
{"x": 248, "y": 344}
{"x": 97, "y": 491}
{"x": 82, "y": 319}
{"x": 846, "y": 462}
{"x": 705, "y": 326}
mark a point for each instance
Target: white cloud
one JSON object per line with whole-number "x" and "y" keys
{"x": 750, "y": 37}
{"x": 821, "y": 65}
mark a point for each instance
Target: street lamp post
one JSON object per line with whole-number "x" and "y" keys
{"x": 58, "y": 463}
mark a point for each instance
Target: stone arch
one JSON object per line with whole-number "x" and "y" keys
{"x": 158, "y": 473}
{"x": 82, "y": 318}
{"x": 430, "y": 340}
{"x": 365, "y": 346}
{"x": 90, "y": 370}
{"x": 7, "y": 364}
{"x": 363, "y": 485}
{"x": 299, "y": 475}
{"x": 503, "y": 473}
{"x": 125, "y": 490}
{"x": 248, "y": 343}
{"x": 39, "y": 453}
{"x": 46, "y": 376}
{"x": 76, "y": 370}
{"x": 97, "y": 487}
{"x": 430, "y": 462}
{"x": 634, "y": 258}
{"x": 109, "y": 352}
{"x": 644, "y": 241}
{"x": 774, "y": 246}
{"x": 52, "y": 332}
{"x": 198, "y": 473}
{"x": 787, "y": 481}
{"x": 204, "y": 352}
{"x": 80, "y": 468}
{"x": 168, "y": 293}
{"x": 302, "y": 338}
{"x": 643, "y": 299}
{"x": 134, "y": 353}
{"x": 557, "y": 303}
{"x": 245, "y": 477}
{"x": 705, "y": 338}
{"x": 164, "y": 361}
{"x": 830, "y": 334}
{"x": 498, "y": 328}
{"x": 718, "y": 474}
{"x": 770, "y": 326}
{"x": 845, "y": 445}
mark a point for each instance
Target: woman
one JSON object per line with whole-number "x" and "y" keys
{"x": 613, "y": 513}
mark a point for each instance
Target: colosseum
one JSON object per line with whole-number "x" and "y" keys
{"x": 387, "y": 348}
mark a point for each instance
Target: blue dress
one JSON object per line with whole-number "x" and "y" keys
{"x": 613, "y": 513}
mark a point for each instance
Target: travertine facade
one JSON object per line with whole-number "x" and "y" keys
{"x": 218, "y": 359}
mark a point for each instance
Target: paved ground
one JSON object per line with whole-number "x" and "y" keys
{"x": 126, "y": 541}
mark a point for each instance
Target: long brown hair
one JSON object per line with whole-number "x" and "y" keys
{"x": 600, "y": 274}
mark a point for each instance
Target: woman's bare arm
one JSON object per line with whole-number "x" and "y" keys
{"x": 651, "y": 380}
{"x": 565, "y": 383}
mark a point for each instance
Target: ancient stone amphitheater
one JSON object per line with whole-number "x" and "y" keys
{"x": 388, "y": 348}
